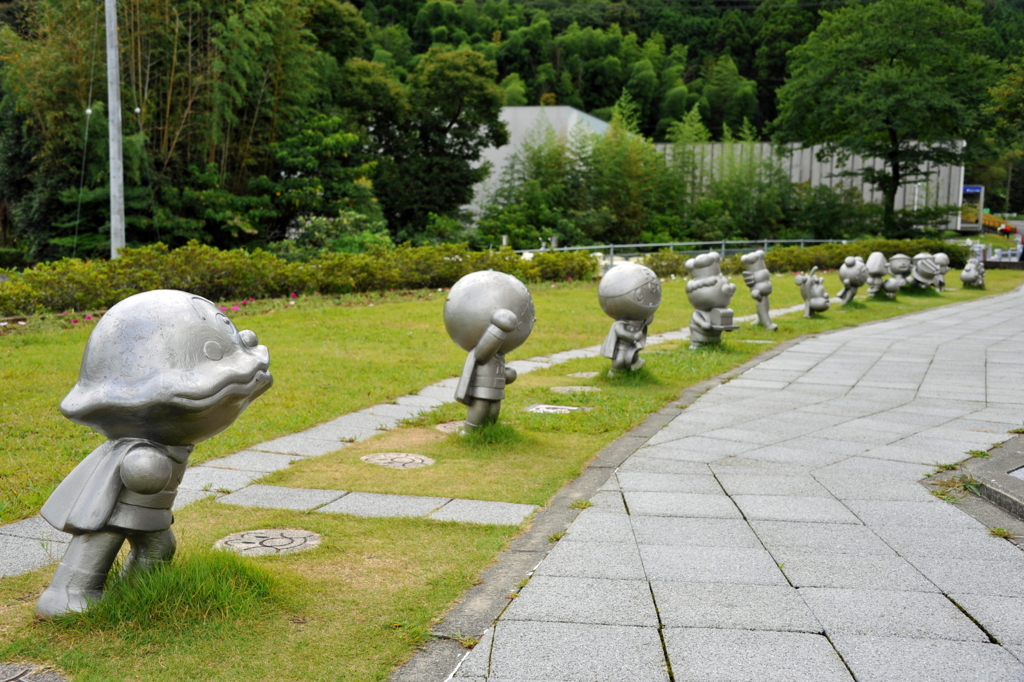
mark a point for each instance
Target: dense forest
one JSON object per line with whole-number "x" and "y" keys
{"x": 250, "y": 120}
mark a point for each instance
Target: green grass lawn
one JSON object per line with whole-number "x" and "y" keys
{"x": 361, "y": 603}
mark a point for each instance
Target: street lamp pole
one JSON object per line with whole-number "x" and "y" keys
{"x": 114, "y": 119}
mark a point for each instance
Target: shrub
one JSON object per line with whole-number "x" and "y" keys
{"x": 831, "y": 256}
{"x": 562, "y": 265}
{"x": 666, "y": 263}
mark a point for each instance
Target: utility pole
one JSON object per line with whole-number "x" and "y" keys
{"x": 114, "y": 119}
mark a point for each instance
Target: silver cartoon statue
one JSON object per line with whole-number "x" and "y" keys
{"x": 162, "y": 371}
{"x": 878, "y": 267}
{"x": 488, "y": 314}
{"x": 630, "y": 294}
{"x": 973, "y": 274}
{"x": 900, "y": 267}
{"x": 757, "y": 277}
{"x": 942, "y": 261}
{"x": 923, "y": 270}
{"x": 709, "y": 293}
{"x": 853, "y": 273}
{"x": 812, "y": 288}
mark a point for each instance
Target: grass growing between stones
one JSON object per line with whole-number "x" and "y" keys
{"x": 350, "y": 609}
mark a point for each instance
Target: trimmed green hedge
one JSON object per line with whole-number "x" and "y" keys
{"x": 73, "y": 284}
{"x": 831, "y": 256}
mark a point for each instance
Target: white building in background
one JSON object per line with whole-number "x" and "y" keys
{"x": 943, "y": 186}
{"x": 521, "y": 121}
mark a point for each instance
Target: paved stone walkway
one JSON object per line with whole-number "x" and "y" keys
{"x": 776, "y": 529}
{"x": 31, "y": 543}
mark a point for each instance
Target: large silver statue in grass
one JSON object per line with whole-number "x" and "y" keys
{"x": 759, "y": 279}
{"x": 488, "y": 314}
{"x": 853, "y": 273}
{"x": 709, "y": 293}
{"x": 630, "y": 294}
{"x": 162, "y": 371}
{"x": 973, "y": 274}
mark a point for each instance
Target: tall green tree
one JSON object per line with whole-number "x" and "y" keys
{"x": 898, "y": 80}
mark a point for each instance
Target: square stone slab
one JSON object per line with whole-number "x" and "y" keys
{"x": 971, "y": 576}
{"x": 277, "y": 497}
{"x": 252, "y": 460}
{"x": 573, "y": 652}
{"x": 710, "y": 565}
{"x": 21, "y": 555}
{"x": 669, "y": 483}
{"x": 836, "y": 538}
{"x": 35, "y": 528}
{"x": 693, "y": 532}
{"x": 217, "y": 480}
{"x": 593, "y": 525}
{"x": 890, "y": 614}
{"x": 584, "y": 600}
{"x": 936, "y": 542}
{"x": 186, "y": 497}
{"x": 891, "y": 659}
{"x": 758, "y": 484}
{"x": 800, "y": 509}
{"x": 752, "y": 656}
{"x": 1000, "y": 616}
{"x": 681, "y": 504}
{"x": 851, "y": 571}
{"x": 479, "y": 511}
{"x": 301, "y": 444}
{"x": 610, "y": 560}
{"x": 374, "y": 504}
{"x": 720, "y": 605}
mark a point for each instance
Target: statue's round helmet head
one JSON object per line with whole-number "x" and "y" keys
{"x": 167, "y": 366}
{"x": 629, "y": 291}
{"x": 474, "y": 299}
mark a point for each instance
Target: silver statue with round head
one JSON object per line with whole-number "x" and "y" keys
{"x": 923, "y": 270}
{"x": 973, "y": 274}
{"x": 162, "y": 371}
{"x": 853, "y": 273}
{"x": 812, "y": 289}
{"x": 630, "y": 294}
{"x": 942, "y": 261}
{"x": 488, "y": 314}
{"x": 759, "y": 279}
{"x": 709, "y": 293}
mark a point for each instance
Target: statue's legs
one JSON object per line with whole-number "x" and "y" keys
{"x": 482, "y": 412}
{"x": 149, "y": 549}
{"x": 81, "y": 573}
{"x": 763, "y": 316}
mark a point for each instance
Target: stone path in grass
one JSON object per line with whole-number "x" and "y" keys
{"x": 776, "y": 529}
{"x": 30, "y": 543}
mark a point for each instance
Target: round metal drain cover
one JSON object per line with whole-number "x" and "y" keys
{"x": 451, "y": 427}
{"x": 398, "y": 460}
{"x": 269, "y": 541}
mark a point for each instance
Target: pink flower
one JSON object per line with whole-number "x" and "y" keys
{"x": 246, "y": 302}
{"x": 223, "y": 308}
{"x": 64, "y": 313}
{"x": 74, "y": 321}
{"x": 569, "y": 278}
{"x": 235, "y": 307}
{"x": 3, "y": 324}
{"x": 317, "y": 293}
{"x": 88, "y": 317}
{"x": 21, "y": 322}
{"x": 294, "y": 295}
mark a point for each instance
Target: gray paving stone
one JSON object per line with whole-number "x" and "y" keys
{"x": 745, "y": 433}
{"x": 879, "y": 513}
{"x": 21, "y": 555}
{"x": 855, "y": 487}
{"x": 669, "y": 483}
{"x": 940, "y": 543}
{"x": 426, "y": 402}
{"x": 969, "y": 576}
{"x": 851, "y": 571}
{"x": 527, "y": 651}
{"x": 712, "y": 655}
{"x": 527, "y": 366}
{"x": 825, "y": 444}
{"x": 375, "y": 504}
{"x": 443, "y": 393}
{"x": 220, "y": 480}
{"x": 479, "y": 511}
{"x": 560, "y": 599}
{"x": 475, "y": 664}
{"x": 999, "y": 616}
{"x": 743, "y": 466}
{"x": 753, "y": 484}
{"x": 608, "y": 501}
{"x": 710, "y": 565}
{"x": 593, "y": 525}
{"x": 788, "y": 508}
{"x": 277, "y": 497}
{"x": 891, "y": 659}
{"x": 799, "y": 454}
{"x": 391, "y": 411}
{"x": 300, "y": 444}
{"x": 708, "y": 446}
{"x": 35, "y": 528}
{"x": 721, "y": 605}
{"x": 916, "y": 454}
{"x": 672, "y": 452}
{"x": 350, "y": 427}
{"x": 866, "y": 466}
{"x": 252, "y": 460}
{"x": 186, "y": 497}
{"x": 693, "y": 532}
{"x": 890, "y": 614}
{"x": 681, "y": 504}
{"x": 647, "y": 465}
{"x": 611, "y": 560}
{"x": 838, "y": 538}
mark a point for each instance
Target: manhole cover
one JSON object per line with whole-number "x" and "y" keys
{"x": 398, "y": 460}
{"x": 556, "y": 409}
{"x": 583, "y": 375}
{"x": 28, "y": 672}
{"x": 269, "y": 541}
{"x": 451, "y": 427}
{"x": 575, "y": 389}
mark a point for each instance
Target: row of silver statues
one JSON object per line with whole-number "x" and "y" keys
{"x": 164, "y": 370}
